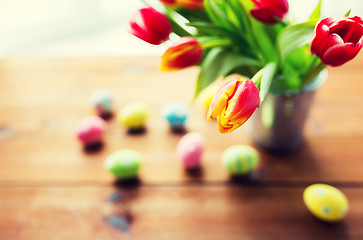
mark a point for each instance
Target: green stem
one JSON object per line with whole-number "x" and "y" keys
{"x": 310, "y": 77}
{"x": 282, "y": 22}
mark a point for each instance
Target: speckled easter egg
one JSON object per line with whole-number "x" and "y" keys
{"x": 90, "y": 130}
{"x": 176, "y": 113}
{"x": 102, "y": 102}
{"x": 190, "y": 148}
{"x": 326, "y": 202}
{"x": 124, "y": 164}
{"x": 240, "y": 159}
{"x": 133, "y": 115}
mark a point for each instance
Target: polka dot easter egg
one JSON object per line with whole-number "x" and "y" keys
{"x": 102, "y": 102}
{"x": 124, "y": 164}
{"x": 326, "y": 202}
{"x": 189, "y": 149}
{"x": 133, "y": 115}
{"x": 90, "y": 130}
{"x": 240, "y": 160}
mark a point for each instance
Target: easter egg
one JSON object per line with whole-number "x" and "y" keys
{"x": 207, "y": 95}
{"x": 176, "y": 113}
{"x": 124, "y": 164}
{"x": 240, "y": 159}
{"x": 90, "y": 130}
{"x": 133, "y": 115}
{"x": 189, "y": 149}
{"x": 102, "y": 102}
{"x": 326, "y": 202}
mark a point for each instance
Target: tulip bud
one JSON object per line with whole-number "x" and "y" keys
{"x": 267, "y": 11}
{"x": 150, "y": 26}
{"x": 185, "y": 53}
{"x": 234, "y": 103}
{"x": 336, "y": 42}
{"x": 191, "y": 4}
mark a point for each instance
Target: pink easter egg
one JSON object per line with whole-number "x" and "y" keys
{"x": 189, "y": 149}
{"x": 90, "y": 130}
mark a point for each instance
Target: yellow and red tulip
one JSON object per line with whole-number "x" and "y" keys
{"x": 234, "y": 103}
{"x": 337, "y": 41}
{"x": 185, "y": 53}
{"x": 191, "y": 4}
{"x": 267, "y": 11}
{"x": 150, "y": 26}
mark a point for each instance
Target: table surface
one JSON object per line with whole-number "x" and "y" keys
{"x": 50, "y": 188}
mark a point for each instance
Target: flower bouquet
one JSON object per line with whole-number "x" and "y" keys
{"x": 252, "y": 38}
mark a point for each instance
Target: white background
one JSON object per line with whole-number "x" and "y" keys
{"x": 78, "y": 28}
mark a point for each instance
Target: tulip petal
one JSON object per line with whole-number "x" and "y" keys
{"x": 185, "y": 53}
{"x": 192, "y": 4}
{"x": 244, "y": 101}
{"x": 263, "y": 14}
{"x": 318, "y": 44}
{"x": 349, "y": 30}
{"x": 150, "y": 26}
{"x": 219, "y": 102}
{"x": 234, "y": 104}
{"x": 267, "y": 10}
{"x": 339, "y": 54}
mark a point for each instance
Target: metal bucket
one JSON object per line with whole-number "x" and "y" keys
{"x": 277, "y": 125}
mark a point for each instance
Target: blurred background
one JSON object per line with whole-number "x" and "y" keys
{"x": 82, "y": 28}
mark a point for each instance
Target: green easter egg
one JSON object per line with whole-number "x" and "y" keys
{"x": 240, "y": 159}
{"x": 124, "y": 163}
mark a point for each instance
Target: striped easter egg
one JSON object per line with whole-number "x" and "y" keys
{"x": 240, "y": 159}
{"x": 124, "y": 164}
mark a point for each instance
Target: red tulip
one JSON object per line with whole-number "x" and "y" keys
{"x": 150, "y": 26}
{"x": 268, "y": 10}
{"x": 185, "y": 53}
{"x": 234, "y": 103}
{"x": 336, "y": 42}
{"x": 191, "y": 4}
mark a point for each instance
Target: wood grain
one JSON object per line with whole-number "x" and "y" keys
{"x": 214, "y": 212}
{"x": 51, "y": 189}
{"x": 43, "y": 99}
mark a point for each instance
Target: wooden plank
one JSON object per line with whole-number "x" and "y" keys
{"x": 322, "y": 159}
{"x": 197, "y": 212}
{"x": 43, "y": 90}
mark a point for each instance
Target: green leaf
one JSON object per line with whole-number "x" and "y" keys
{"x": 238, "y": 14}
{"x": 217, "y": 13}
{"x": 219, "y": 63}
{"x": 178, "y": 28}
{"x": 316, "y": 14}
{"x": 293, "y": 37}
{"x": 263, "y": 79}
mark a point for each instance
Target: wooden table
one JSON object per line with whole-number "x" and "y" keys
{"x": 51, "y": 189}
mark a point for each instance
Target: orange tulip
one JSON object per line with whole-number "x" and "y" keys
{"x": 191, "y": 4}
{"x": 234, "y": 103}
{"x": 185, "y": 53}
